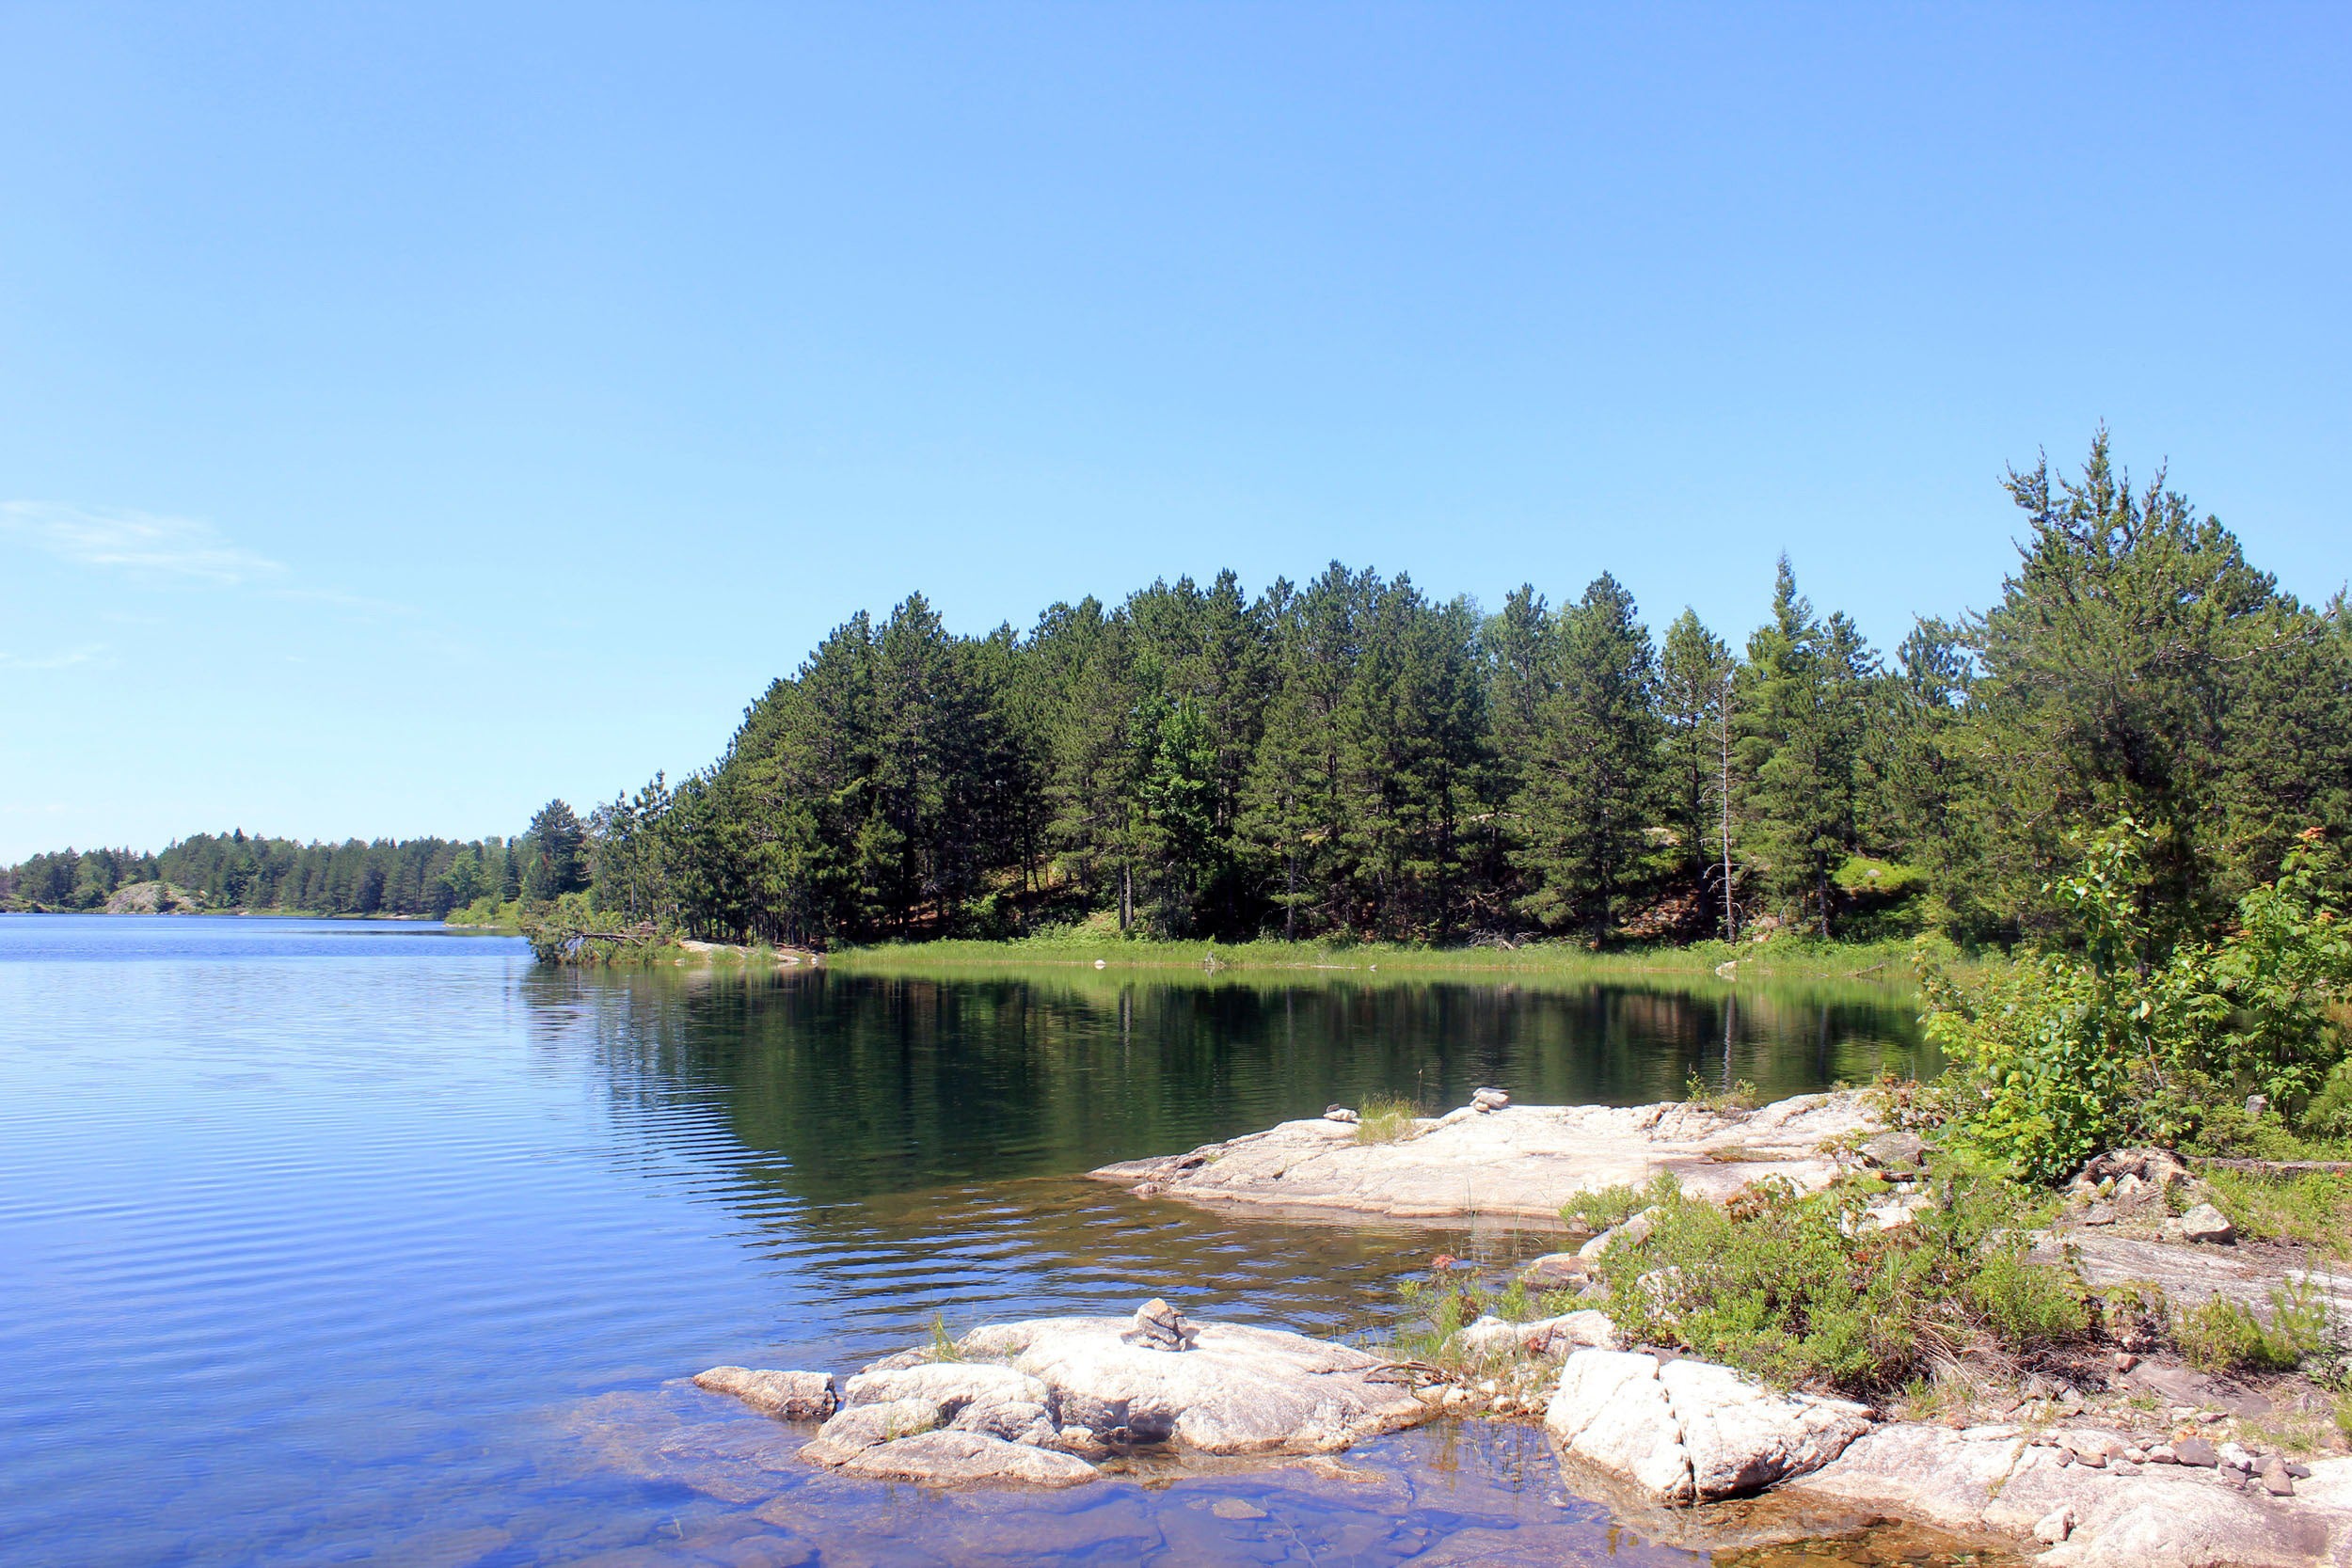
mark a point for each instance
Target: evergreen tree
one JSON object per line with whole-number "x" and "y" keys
{"x": 1586, "y": 800}
{"x": 1695, "y": 670}
{"x": 1801, "y": 721}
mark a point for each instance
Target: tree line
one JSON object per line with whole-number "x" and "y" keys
{"x": 233, "y": 871}
{"x": 1351, "y": 757}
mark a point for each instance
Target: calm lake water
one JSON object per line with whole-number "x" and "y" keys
{"x": 371, "y": 1243}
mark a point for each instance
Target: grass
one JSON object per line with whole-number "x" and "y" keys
{"x": 1387, "y": 1119}
{"x": 1593, "y": 1212}
{"x": 1784, "y": 957}
{"x": 1739, "y": 1095}
{"x": 2312, "y": 1207}
{"x": 2221, "y": 1336}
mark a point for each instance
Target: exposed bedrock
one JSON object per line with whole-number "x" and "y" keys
{"x": 1520, "y": 1162}
{"x": 1032, "y": 1402}
{"x": 1652, "y": 1431}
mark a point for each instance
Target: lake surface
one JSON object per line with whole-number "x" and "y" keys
{"x": 369, "y": 1242}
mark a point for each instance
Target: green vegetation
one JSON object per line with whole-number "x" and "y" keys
{"x": 2221, "y": 1335}
{"x": 1802, "y": 1290}
{"x": 1351, "y": 763}
{"x": 232, "y": 871}
{"x": 1786, "y": 958}
{"x": 2127, "y": 1041}
{"x": 2312, "y": 1209}
{"x": 1387, "y": 1119}
{"x": 1348, "y": 760}
{"x": 486, "y": 881}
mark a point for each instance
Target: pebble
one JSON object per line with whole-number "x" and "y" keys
{"x": 2276, "y": 1478}
{"x": 2162, "y": 1454}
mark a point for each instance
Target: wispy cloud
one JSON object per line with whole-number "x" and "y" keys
{"x": 185, "y": 549}
{"x": 63, "y": 659}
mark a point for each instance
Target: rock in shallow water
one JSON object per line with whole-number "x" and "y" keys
{"x": 1060, "y": 1388}
{"x": 955, "y": 1458}
{"x": 1237, "y": 1389}
{"x": 787, "y": 1396}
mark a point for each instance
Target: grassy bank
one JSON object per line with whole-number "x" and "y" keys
{"x": 1783, "y": 958}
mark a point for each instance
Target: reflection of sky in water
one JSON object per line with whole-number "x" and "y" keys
{"x": 342, "y": 1243}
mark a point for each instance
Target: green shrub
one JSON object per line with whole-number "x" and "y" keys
{"x": 2064, "y": 1054}
{"x": 1789, "y": 1287}
{"x": 1595, "y": 1212}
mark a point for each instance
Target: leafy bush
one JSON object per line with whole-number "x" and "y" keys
{"x": 2064, "y": 1054}
{"x": 1791, "y": 1287}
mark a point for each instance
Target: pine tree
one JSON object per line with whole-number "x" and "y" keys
{"x": 1801, "y": 721}
{"x": 1694, "y": 683}
{"x": 1586, "y": 804}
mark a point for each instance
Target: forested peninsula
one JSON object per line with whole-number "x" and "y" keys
{"x": 1351, "y": 760}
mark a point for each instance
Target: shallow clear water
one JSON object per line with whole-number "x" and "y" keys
{"x": 349, "y": 1242}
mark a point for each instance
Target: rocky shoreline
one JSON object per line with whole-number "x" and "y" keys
{"x": 2156, "y": 1467}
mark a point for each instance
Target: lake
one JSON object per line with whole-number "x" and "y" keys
{"x": 343, "y": 1242}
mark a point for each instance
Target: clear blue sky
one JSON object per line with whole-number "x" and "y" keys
{"x": 409, "y": 413}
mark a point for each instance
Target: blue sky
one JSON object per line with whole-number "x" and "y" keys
{"x": 410, "y": 413}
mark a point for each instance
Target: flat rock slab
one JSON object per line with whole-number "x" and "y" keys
{"x": 2122, "y": 1516}
{"x": 2193, "y": 1274}
{"x": 1523, "y": 1161}
{"x": 1030, "y": 1403}
{"x": 1691, "y": 1431}
{"x": 1238, "y": 1390}
{"x": 969, "y": 1458}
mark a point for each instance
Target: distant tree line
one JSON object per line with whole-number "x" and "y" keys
{"x": 1351, "y": 757}
{"x": 232, "y": 871}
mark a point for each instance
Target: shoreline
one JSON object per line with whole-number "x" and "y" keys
{"x": 2157, "y": 1465}
{"x": 1878, "y": 964}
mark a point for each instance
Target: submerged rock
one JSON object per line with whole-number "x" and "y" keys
{"x": 787, "y": 1396}
{"x": 954, "y": 1458}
